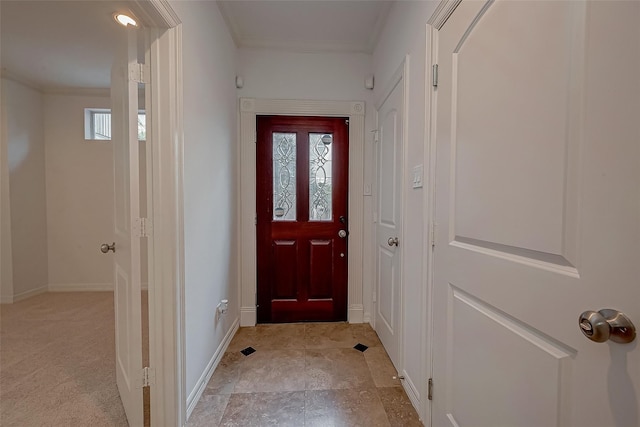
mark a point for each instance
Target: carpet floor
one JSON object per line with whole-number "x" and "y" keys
{"x": 57, "y": 361}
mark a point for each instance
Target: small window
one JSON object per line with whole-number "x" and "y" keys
{"x": 97, "y": 124}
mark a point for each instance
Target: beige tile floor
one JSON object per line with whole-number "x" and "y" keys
{"x": 305, "y": 374}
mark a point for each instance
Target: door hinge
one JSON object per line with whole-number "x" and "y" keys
{"x": 148, "y": 376}
{"x": 433, "y": 234}
{"x": 376, "y": 135}
{"x": 139, "y": 73}
{"x": 255, "y": 219}
{"x": 430, "y": 391}
{"x": 142, "y": 227}
{"x": 346, "y": 122}
{"x": 434, "y": 75}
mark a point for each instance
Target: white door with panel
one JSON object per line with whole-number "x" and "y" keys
{"x": 127, "y": 269}
{"x": 538, "y": 213}
{"x": 389, "y": 219}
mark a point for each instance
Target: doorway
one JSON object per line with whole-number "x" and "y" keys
{"x": 250, "y": 108}
{"x": 302, "y": 220}
{"x": 164, "y": 123}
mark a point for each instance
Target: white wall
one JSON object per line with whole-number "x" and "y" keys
{"x": 79, "y": 195}
{"x": 404, "y": 33}
{"x": 23, "y": 107}
{"x": 318, "y": 76}
{"x": 210, "y": 184}
{"x": 289, "y": 75}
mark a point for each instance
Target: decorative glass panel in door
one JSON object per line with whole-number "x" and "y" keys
{"x": 284, "y": 176}
{"x": 320, "y": 173}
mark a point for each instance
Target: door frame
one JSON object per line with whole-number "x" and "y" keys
{"x": 247, "y": 251}
{"x": 440, "y": 15}
{"x": 164, "y": 210}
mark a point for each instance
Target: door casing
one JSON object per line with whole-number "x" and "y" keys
{"x": 164, "y": 195}
{"x": 249, "y": 108}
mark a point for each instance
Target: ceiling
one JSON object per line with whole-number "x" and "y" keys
{"x": 55, "y": 45}
{"x": 61, "y": 45}
{"x": 306, "y": 25}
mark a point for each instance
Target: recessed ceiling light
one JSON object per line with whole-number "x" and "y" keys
{"x": 125, "y": 20}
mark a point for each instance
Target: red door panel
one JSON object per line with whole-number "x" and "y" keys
{"x": 302, "y": 190}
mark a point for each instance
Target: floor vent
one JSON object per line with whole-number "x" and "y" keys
{"x": 247, "y": 351}
{"x": 360, "y": 347}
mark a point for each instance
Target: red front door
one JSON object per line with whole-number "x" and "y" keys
{"x": 302, "y": 189}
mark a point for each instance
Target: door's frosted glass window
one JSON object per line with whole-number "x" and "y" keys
{"x": 284, "y": 176}
{"x": 320, "y": 166}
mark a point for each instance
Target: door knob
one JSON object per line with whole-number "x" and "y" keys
{"x": 342, "y": 233}
{"x": 104, "y": 248}
{"x": 607, "y": 324}
{"x": 393, "y": 241}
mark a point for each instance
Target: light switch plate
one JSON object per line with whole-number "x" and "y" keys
{"x": 417, "y": 176}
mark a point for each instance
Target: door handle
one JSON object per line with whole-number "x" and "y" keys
{"x": 104, "y": 248}
{"x": 607, "y": 324}
{"x": 393, "y": 241}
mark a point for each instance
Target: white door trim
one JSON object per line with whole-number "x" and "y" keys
{"x": 249, "y": 108}
{"x": 429, "y": 213}
{"x": 435, "y": 22}
{"x": 165, "y": 202}
{"x": 442, "y": 13}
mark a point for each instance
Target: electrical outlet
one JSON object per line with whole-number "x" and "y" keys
{"x": 223, "y": 306}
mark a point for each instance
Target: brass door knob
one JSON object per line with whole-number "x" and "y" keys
{"x": 607, "y": 324}
{"x": 104, "y": 248}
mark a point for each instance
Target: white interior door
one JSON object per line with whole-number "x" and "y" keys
{"x": 124, "y": 137}
{"x": 538, "y": 212}
{"x": 389, "y": 220}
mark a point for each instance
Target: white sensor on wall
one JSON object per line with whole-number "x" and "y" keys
{"x": 368, "y": 82}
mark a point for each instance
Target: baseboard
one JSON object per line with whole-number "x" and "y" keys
{"x": 412, "y": 391}
{"x": 356, "y": 313}
{"x": 248, "y": 316}
{"x": 88, "y": 287}
{"x": 197, "y": 391}
{"x": 29, "y": 293}
{"x": 6, "y": 299}
{"x": 80, "y": 287}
